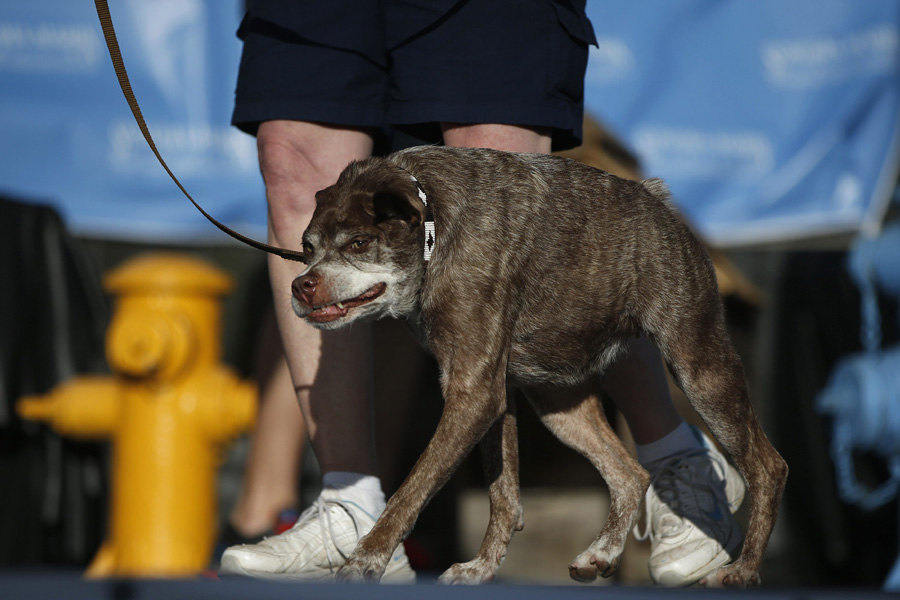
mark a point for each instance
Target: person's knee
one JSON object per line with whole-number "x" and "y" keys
{"x": 288, "y": 174}
{"x": 296, "y": 160}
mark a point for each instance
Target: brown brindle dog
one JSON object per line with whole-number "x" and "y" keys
{"x": 542, "y": 269}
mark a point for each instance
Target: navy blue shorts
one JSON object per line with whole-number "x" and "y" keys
{"x": 412, "y": 64}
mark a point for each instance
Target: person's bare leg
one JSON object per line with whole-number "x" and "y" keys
{"x": 512, "y": 138}
{"x": 271, "y": 480}
{"x": 331, "y": 372}
{"x": 297, "y": 159}
{"x": 637, "y": 384}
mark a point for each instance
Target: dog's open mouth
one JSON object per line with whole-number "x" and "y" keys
{"x": 333, "y": 312}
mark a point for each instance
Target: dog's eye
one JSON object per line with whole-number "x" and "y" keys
{"x": 359, "y": 243}
{"x": 307, "y": 248}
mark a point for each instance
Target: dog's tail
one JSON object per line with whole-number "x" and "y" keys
{"x": 658, "y": 188}
{"x": 660, "y": 191}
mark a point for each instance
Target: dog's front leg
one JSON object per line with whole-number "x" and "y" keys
{"x": 500, "y": 455}
{"x": 471, "y": 407}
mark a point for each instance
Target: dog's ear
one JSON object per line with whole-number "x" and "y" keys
{"x": 397, "y": 205}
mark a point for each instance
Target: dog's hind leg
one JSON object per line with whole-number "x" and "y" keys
{"x": 709, "y": 371}
{"x": 575, "y": 416}
{"x": 499, "y": 452}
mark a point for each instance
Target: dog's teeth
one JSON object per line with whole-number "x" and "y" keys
{"x": 339, "y": 305}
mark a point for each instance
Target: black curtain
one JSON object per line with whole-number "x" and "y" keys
{"x": 53, "y": 315}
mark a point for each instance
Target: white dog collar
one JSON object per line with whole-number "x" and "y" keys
{"x": 429, "y": 220}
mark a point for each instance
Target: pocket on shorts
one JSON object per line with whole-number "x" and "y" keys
{"x": 572, "y": 16}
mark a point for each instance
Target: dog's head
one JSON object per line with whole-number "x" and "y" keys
{"x": 363, "y": 247}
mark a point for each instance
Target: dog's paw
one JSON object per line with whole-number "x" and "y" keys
{"x": 358, "y": 571}
{"x": 473, "y": 572}
{"x": 588, "y": 565}
{"x": 734, "y": 575}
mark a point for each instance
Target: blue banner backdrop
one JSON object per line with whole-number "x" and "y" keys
{"x": 771, "y": 120}
{"x": 67, "y": 136}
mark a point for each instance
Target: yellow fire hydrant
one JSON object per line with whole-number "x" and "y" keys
{"x": 168, "y": 409}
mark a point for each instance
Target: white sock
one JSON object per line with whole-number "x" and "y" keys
{"x": 364, "y": 490}
{"x": 682, "y": 439}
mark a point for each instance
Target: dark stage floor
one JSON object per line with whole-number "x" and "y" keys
{"x": 69, "y": 586}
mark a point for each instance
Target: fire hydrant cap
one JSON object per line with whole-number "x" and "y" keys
{"x": 167, "y": 272}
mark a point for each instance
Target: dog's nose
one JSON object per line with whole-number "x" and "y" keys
{"x": 304, "y": 287}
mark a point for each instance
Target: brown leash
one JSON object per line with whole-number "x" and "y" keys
{"x": 113, "y": 45}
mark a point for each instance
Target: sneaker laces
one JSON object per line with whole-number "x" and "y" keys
{"x": 321, "y": 510}
{"x": 667, "y": 482}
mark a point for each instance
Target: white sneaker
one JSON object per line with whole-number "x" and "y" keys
{"x": 315, "y": 547}
{"x": 689, "y": 516}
